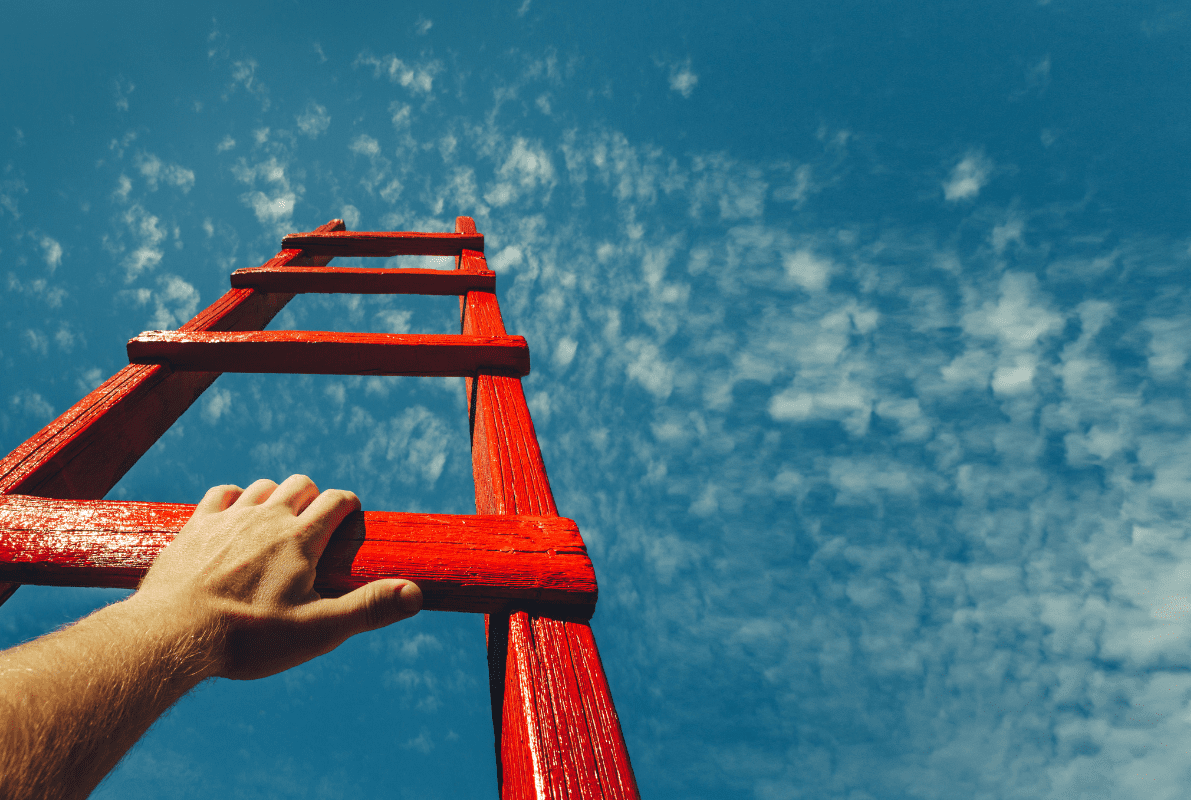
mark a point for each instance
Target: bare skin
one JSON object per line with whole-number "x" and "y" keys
{"x": 231, "y": 597}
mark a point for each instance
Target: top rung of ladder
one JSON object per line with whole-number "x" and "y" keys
{"x": 389, "y": 243}
{"x": 282, "y": 274}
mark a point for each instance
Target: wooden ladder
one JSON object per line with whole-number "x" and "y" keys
{"x": 516, "y": 560}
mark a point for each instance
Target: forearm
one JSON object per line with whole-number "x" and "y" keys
{"x": 72, "y": 703}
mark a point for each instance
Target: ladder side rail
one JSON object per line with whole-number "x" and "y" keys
{"x": 557, "y": 732}
{"x": 83, "y": 453}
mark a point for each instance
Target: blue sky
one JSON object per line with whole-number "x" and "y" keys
{"x": 860, "y": 339}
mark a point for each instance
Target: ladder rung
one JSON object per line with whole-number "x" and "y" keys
{"x": 330, "y": 353}
{"x": 397, "y": 243}
{"x": 462, "y": 563}
{"x": 351, "y": 280}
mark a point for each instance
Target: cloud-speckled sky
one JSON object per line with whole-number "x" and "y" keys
{"x": 861, "y": 356}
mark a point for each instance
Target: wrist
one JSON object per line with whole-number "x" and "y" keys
{"x": 185, "y": 643}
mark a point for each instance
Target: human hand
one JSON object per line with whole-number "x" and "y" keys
{"x": 240, "y": 576}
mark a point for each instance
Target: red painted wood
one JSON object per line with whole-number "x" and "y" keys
{"x": 350, "y": 280}
{"x": 558, "y": 733}
{"x": 390, "y": 243}
{"x": 88, "y": 448}
{"x": 331, "y": 353}
{"x": 462, "y": 563}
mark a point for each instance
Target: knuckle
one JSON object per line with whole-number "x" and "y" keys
{"x": 339, "y": 497}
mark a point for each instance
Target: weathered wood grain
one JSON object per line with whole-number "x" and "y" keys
{"x": 389, "y": 243}
{"x": 469, "y": 563}
{"x": 89, "y": 447}
{"x": 557, "y": 732}
{"x": 331, "y": 353}
{"x": 352, "y": 280}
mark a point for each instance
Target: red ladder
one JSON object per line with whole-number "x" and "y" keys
{"x": 516, "y": 560}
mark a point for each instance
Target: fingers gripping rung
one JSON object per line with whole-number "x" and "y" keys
{"x": 470, "y": 563}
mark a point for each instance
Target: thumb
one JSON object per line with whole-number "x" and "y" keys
{"x": 372, "y": 606}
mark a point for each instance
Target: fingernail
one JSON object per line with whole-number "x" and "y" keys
{"x": 410, "y": 598}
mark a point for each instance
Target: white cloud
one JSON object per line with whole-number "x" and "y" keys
{"x": 271, "y": 209}
{"x": 65, "y": 338}
{"x": 423, "y": 26}
{"x": 271, "y": 170}
{"x": 89, "y": 379}
{"x": 227, "y": 143}
{"x": 124, "y": 187}
{"x": 148, "y": 235}
{"x": 420, "y": 742}
{"x": 36, "y": 341}
{"x": 217, "y": 402}
{"x": 527, "y": 168}
{"x": 401, "y": 114}
{"x": 11, "y": 188}
{"x": 1019, "y": 318}
{"x": 808, "y": 270}
{"x": 175, "y": 302}
{"x": 1006, "y": 233}
{"x": 31, "y": 404}
{"x": 649, "y": 369}
{"x": 799, "y": 189}
{"x": 968, "y": 177}
{"x": 391, "y": 192}
{"x": 849, "y": 403}
{"x": 706, "y": 504}
{"x": 1015, "y": 375}
{"x": 415, "y": 76}
{"x": 1170, "y": 348}
{"x": 365, "y": 145}
{"x": 506, "y": 259}
{"x": 242, "y": 73}
{"x": 738, "y": 192}
{"x": 682, "y": 79}
{"x": 394, "y": 321}
{"x": 564, "y": 351}
{"x": 153, "y": 169}
{"x": 52, "y": 253}
{"x": 273, "y": 205}
{"x": 419, "y": 440}
{"x": 907, "y": 414}
{"x": 857, "y": 481}
{"x": 314, "y": 120}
